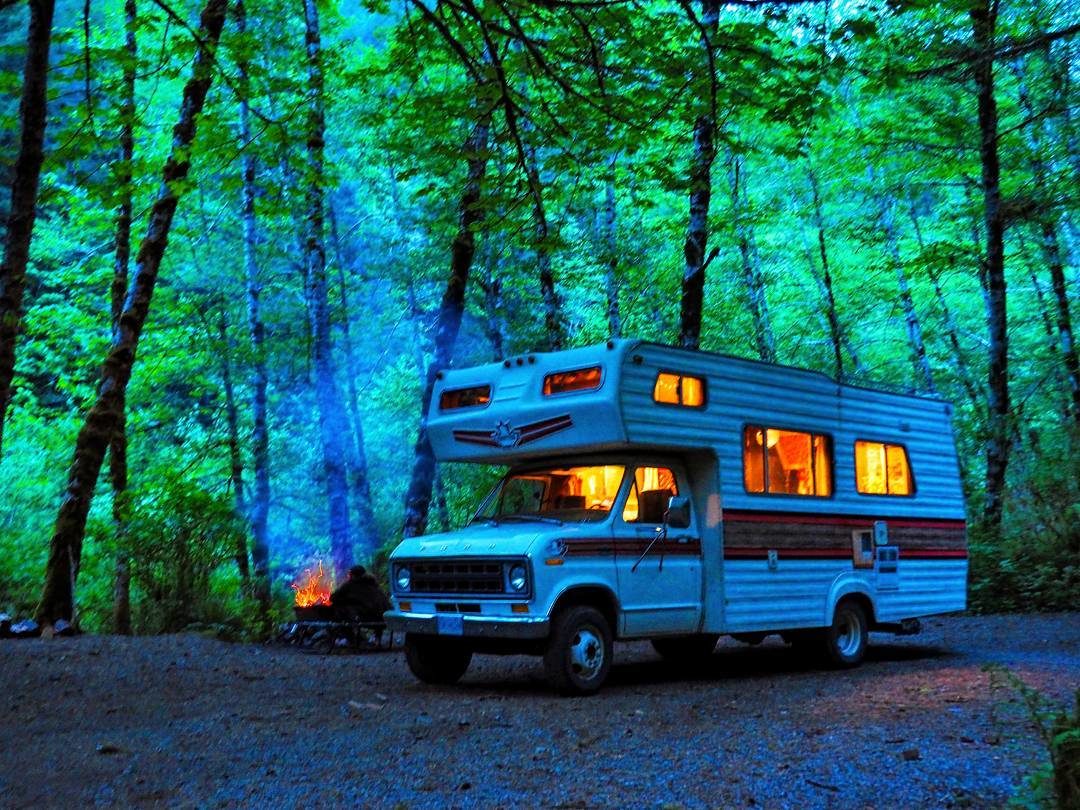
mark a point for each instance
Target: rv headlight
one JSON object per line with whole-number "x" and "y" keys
{"x": 404, "y": 578}
{"x": 519, "y": 578}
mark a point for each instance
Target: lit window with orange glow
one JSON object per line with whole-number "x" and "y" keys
{"x": 564, "y": 382}
{"x": 679, "y": 389}
{"x": 882, "y": 469}
{"x": 476, "y": 397}
{"x": 786, "y": 462}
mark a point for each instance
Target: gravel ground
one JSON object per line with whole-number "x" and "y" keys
{"x": 189, "y": 721}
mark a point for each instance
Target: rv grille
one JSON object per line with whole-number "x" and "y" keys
{"x": 458, "y": 577}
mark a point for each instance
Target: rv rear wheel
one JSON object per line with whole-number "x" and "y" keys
{"x": 436, "y": 660}
{"x": 686, "y": 649}
{"x": 579, "y": 651}
{"x": 845, "y": 641}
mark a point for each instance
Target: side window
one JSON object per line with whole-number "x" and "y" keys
{"x": 679, "y": 389}
{"x": 882, "y": 469}
{"x": 650, "y": 491}
{"x": 786, "y": 462}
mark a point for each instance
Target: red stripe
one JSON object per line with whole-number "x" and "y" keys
{"x": 737, "y": 516}
{"x": 840, "y": 554}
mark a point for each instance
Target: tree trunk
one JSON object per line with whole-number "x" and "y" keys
{"x": 24, "y": 189}
{"x": 997, "y": 446}
{"x": 1051, "y": 250}
{"x": 418, "y": 496}
{"x": 65, "y": 550}
{"x": 611, "y": 251}
{"x": 232, "y": 420}
{"x": 333, "y": 424}
{"x": 914, "y": 329}
{"x": 259, "y": 504}
{"x": 764, "y": 341}
{"x": 701, "y": 160}
{"x": 367, "y": 539}
{"x": 118, "y": 444}
{"x": 553, "y": 316}
{"x": 835, "y": 332}
{"x": 951, "y": 329}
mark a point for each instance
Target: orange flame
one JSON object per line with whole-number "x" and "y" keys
{"x": 313, "y": 587}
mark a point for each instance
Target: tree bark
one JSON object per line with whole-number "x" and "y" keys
{"x": 418, "y": 496}
{"x": 835, "y": 332}
{"x": 24, "y": 190}
{"x": 701, "y": 160}
{"x": 367, "y": 540}
{"x": 764, "y": 341}
{"x": 65, "y": 549}
{"x": 333, "y": 424}
{"x": 118, "y": 444}
{"x": 984, "y": 20}
{"x": 259, "y": 504}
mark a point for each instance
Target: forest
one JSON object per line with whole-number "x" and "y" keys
{"x": 241, "y": 240}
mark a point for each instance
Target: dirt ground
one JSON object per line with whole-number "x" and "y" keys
{"x": 190, "y": 721}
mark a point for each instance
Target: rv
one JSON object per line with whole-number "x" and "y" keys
{"x": 671, "y": 495}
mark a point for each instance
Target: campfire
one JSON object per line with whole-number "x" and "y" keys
{"x": 313, "y": 587}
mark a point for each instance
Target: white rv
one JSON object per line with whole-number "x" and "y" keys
{"x": 663, "y": 494}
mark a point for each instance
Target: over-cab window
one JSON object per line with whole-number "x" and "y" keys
{"x": 476, "y": 397}
{"x": 882, "y": 469}
{"x": 679, "y": 389}
{"x": 786, "y": 462}
{"x": 650, "y": 492}
{"x": 563, "y": 382}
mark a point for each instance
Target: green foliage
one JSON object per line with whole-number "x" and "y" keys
{"x": 180, "y": 541}
{"x": 1054, "y": 784}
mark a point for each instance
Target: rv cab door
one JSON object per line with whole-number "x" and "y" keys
{"x": 659, "y": 574}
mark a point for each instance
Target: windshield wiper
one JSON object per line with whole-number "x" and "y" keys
{"x": 516, "y": 518}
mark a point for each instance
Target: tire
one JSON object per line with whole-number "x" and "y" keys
{"x": 686, "y": 649}
{"x": 845, "y": 641}
{"x": 436, "y": 660}
{"x": 579, "y": 650}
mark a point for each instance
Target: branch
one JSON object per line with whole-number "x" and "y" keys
{"x": 971, "y": 58}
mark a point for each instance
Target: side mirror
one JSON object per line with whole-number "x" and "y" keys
{"x": 678, "y": 512}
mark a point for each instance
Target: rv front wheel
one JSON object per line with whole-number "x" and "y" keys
{"x": 578, "y": 654}
{"x": 435, "y": 660}
{"x": 845, "y": 641}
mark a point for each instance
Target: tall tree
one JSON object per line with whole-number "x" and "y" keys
{"x": 753, "y": 280}
{"x": 118, "y": 444}
{"x": 984, "y": 21}
{"x": 259, "y": 503}
{"x": 65, "y": 548}
{"x": 470, "y": 214}
{"x": 333, "y": 424}
{"x": 701, "y": 160}
{"x": 835, "y": 331}
{"x": 367, "y": 540}
{"x": 24, "y": 190}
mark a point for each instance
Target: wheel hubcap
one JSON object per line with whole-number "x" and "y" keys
{"x": 849, "y": 636}
{"x": 586, "y": 653}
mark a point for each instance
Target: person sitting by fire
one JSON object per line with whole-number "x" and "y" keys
{"x": 360, "y": 598}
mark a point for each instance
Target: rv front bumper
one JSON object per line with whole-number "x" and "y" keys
{"x": 467, "y": 626}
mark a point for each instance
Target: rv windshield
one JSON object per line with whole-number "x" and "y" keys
{"x": 565, "y": 494}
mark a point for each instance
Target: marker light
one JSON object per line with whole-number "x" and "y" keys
{"x": 563, "y": 382}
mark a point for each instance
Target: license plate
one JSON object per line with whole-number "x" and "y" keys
{"x": 450, "y": 625}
